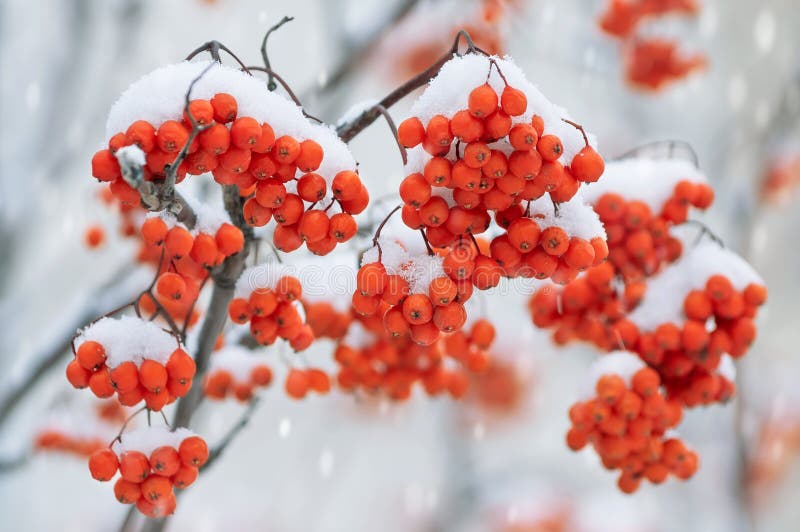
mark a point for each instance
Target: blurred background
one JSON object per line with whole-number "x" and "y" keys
{"x": 495, "y": 461}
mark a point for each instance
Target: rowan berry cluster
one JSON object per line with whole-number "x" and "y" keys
{"x": 627, "y": 420}
{"x": 151, "y": 463}
{"x": 133, "y": 359}
{"x": 717, "y": 319}
{"x": 493, "y": 156}
{"x": 375, "y": 361}
{"x": 651, "y": 63}
{"x": 272, "y": 307}
{"x": 277, "y": 173}
{"x": 235, "y": 372}
{"x": 622, "y": 18}
{"x": 326, "y": 321}
{"x": 639, "y": 240}
{"x": 412, "y": 294}
{"x": 53, "y": 439}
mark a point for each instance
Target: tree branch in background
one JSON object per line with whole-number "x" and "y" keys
{"x": 119, "y": 289}
{"x": 356, "y": 57}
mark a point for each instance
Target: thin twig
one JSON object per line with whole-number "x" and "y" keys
{"x": 349, "y": 130}
{"x": 217, "y": 451}
{"x": 271, "y": 85}
{"x": 288, "y": 90}
{"x": 376, "y": 237}
{"x": 579, "y": 128}
{"x": 383, "y": 111}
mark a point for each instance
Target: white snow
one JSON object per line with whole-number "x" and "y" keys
{"x": 649, "y": 180}
{"x": 148, "y": 439}
{"x": 159, "y": 96}
{"x": 130, "y": 155}
{"x": 418, "y": 269}
{"x": 449, "y": 91}
{"x": 666, "y": 291}
{"x": 358, "y": 337}
{"x": 622, "y": 363}
{"x": 727, "y": 368}
{"x": 575, "y": 216}
{"x": 262, "y": 276}
{"x": 237, "y": 361}
{"x": 210, "y": 215}
{"x": 129, "y": 338}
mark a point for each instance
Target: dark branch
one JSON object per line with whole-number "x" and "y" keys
{"x": 271, "y": 85}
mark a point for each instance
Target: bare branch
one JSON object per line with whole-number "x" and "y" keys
{"x": 244, "y": 419}
{"x": 271, "y": 85}
{"x": 110, "y": 295}
{"x": 349, "y": 130}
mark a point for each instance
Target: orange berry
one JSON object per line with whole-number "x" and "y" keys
{"x": 342, "y": 227}
{"x": 587, "y": 165}
{"x": 171, "y": 286}
{"x": 181, "y": 366}
{"x": 346, "y": 185}
{"x": 554, "y": 241}
{"x": 91, "y": 355}
{"x": 229, "y": 239}
{"x": 523, "y": 137}
{"x": 224, "y": 107}
{"x": 310, "y": 156}
{"x": 697, "y": 305}
{"x": 442, "y": 291}
{"x": 185, "y": 477}
{"x": 178, "y": 242}
{"x": 513, "y": 101}
{"x": 78, "y": 376}
{"x": 411, "y": 132}
{"x": 134, "y": 466}
{"x": 153, "y": 375}
{"x": 201, "y": 110}
{"x": 312, "y": 187}
{"x": 165, "y": 461}
{"x": 313, "y": 225}
{"x": 497, "y": 125}
{"x": 451, "y": 317}
{"x": 261, "y": 375}
{"x": 142, "y": 134}
{"x": 579, "y": 254}
{"x": 318, "y": 380}
{"x": 154, "y": 231}
{"x": 103, "y": 465}
{"x": 127, "y": 492}
{"x": 155, "y": 488}
{"x": 290, "y": 211}
{"x": 297, "y": 383}
{"x": 549, "y": 147}
{"x": 105, "y": 166}
{"x": 204, "y": 250}
{"x": 193, "y": 451}
{"x": 286, "y": 238}
{"x": 482, "y": 101}
{"x": 262, "y": 302}
{"x": 719, "y": 288}
{"x": 100, "y": 384}
{"x": 755, "y": 294}
{"x": 417, "y": 309}
{"x": 215, "y": 140}
{"x": 610, "y": 388}
{"x": 424, "y": 333}
{"x": 466, "y": 127}
{"x": 286, "y": 149}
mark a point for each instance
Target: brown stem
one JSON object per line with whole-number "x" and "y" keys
{"x": 376, "y": 237}
{"x": 271, "y": 82}
{"x": 349, "y": 130}
{"x": 579, "y": 128}
{"x": 287, "y": 88}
